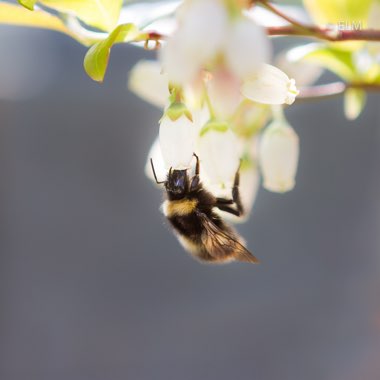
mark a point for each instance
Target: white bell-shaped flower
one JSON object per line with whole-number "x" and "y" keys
{"x": 270, "y": 86}
{"x": 198, "y": 39}
{"x": 177, "y": 141}
{"x": 202, "y": 29}
{"x": 248, "y": 188}
{"x": 247, "y": 48}
{"x": 148, "y": 82}
{"x": 177, "y": 62}
{"x": 219, "y": 154}
{"x": 278, "y": 156}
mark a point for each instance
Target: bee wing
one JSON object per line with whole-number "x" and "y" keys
{"x": 222, "y": 245}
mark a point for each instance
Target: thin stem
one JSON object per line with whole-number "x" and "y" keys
{"x": 332, "y": 33}
{"x": 323, "y": 33}
{"x": 208, "y": 102}
{"x": 328, "y": 34}
{"x": 296, "y": 24}
{"x": 325, "y": 91}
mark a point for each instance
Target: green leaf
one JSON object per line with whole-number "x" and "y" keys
{"x": 28, "y": 4}
{"x": 96, "y": 59}
{"x": 12, "y": 14}
{"x": 350, "y": 12}
{"x": 340, "y": 62}
{"x": 102, "y": 14}
{"x": 354, "y": 102}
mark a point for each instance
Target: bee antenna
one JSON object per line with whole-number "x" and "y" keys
{"x": 154, "y": 173}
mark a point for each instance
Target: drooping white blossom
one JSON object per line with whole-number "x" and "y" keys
{"x": 247, "y": 48}
{"x": 200, "y": 35}
{"x": 177, "y": 62}
{"x": 147, "y": 80}
{"x": 249, "y": 174}
{"x": 203, "y": 28}
{"x": 219, "y": 153}
{"x": 177, "y": 141}
{"x": 248, "y": 188}
{"x": 278, "y": 156}
{"x": 270, "y": 86}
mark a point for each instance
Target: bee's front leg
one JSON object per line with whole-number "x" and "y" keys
{"x": 228, "y": 209}
{"x": 236, "y": 192}
{"x": 195, "y": 180}
{"x": 224, "y": 204}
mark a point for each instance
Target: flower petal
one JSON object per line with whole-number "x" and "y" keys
{"x": 247, "y": 48}
{"x": 148, "y": 82}
{"x": 219, "y": 155}
{"x": 270, "y": 86}
{"x": 278, "y": 153}
{"x": 203, "y": 27}
{"x": 177, "y": 140}
{"x": 180, "y": 67}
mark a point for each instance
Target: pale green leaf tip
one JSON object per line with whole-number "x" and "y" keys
{"x": 27, "y": 4}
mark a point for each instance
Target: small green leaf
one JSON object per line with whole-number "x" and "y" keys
{"x": 177, "y": 110}
{"x": 340, "y": 62}
{"x": 12, "y": 14}
{"x": 28, "y": 4}
{"x": 96, "y": 59}
{"x": 102, "y": 14}
{"x": 354, "y": 102}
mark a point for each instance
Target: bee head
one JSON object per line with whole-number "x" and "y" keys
{"x": 177, "y": 183}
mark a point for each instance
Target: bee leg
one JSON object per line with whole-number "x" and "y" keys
{"x": 197, "y": 164}
{"x": 154, "y": 174}
{"x": 236, "y": 192}
{"x": 223, "y": 201}
{"x": 228, "y": 209}
{"x": 195, "y": 180}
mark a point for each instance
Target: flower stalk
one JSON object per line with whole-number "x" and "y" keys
{"x": 330, "y": 90}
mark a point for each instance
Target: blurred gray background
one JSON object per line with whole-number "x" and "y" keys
{"x": 94, "y": 286}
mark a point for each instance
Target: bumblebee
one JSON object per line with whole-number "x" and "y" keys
{"x": 190, "y": 210}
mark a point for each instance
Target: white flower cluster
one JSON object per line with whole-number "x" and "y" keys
{"x": 217, "y": 91}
